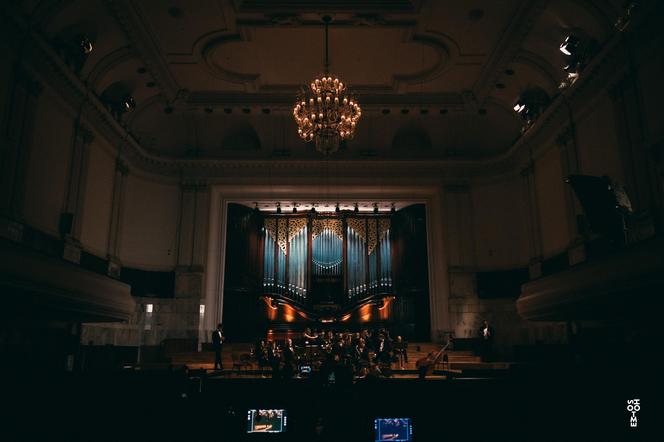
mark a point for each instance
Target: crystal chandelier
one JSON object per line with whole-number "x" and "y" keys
{"x": 324, "y": 113}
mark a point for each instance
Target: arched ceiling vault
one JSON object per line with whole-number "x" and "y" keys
{"x": 209, "y": 77}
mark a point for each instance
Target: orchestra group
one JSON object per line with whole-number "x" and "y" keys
{"x": 364, "y": 353}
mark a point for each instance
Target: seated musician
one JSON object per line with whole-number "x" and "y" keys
{"x": 309, "y": 336}
{"x": 361, "y": 356}
{"x": 261, "y": 354}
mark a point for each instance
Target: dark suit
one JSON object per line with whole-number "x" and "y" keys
{"x": 487, "y": 342}
{"x": 217, "y": 343}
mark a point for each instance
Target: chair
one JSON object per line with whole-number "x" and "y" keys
{"x": 240, "y": 361}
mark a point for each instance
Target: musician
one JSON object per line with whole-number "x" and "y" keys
{"x": 383, "y": 349}
{"x": 309, "y": 336}
{"x": 361, "y": 356}
{"x": 274, "y": 357}
{"x": 401, "y": 351}
{"x": 217, "y": 342}
{"x": 422, "y": 369}
{"x": 289, "y": 352}
{"x": 487, "y": 335}
{"x": 290, "y": 360}
{"x": 261, "y": 354}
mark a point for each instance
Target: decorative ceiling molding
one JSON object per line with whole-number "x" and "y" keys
{"x": 452, "y": 101}
{"x": 107, "y": 63}
{"x": 137, "y": 30}
{"x": 553, "y": 75}
{"x": 206, "y": 49}
{"x": 207, "y": 52}
{"x": 40, "y": 60}
{"x": 510, "y": 43}
{"x": 45, "y": 11}
{"x": 276, "y": 19}
{"x": 301, "y": 6}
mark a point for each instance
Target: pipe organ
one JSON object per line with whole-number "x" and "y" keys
{"x": 334, "y": 259}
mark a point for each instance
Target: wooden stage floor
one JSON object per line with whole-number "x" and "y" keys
{"x": 461, "y": 363}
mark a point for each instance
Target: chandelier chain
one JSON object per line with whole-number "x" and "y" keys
{"x": 325, "y": 113}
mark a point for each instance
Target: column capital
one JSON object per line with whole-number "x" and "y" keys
{"x": 84, "y": 134}
{"x": 194, "y": 185}
{"x": 564, "y": 137}
{"x": 527, "y": 169}
{"x": 122, "y": 167}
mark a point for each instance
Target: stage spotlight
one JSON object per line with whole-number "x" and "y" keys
{"x": 256, "y": 209}
{"x": 128, "y": 103}
{"x": 278, "y": 207}
{"x": 357, "y": 208}
{"x": 393, "y": 209}
{"x": 578, "y": 48}
{"x": 531, "y": 104}
{"x": 294, "y": 209}
{"x": 86, "y": 45}
{"x": 570, "y": 45}
{"x": 337, "y": 209}
{"x": 375, "y": 208}
{"x": 313, "y": 208}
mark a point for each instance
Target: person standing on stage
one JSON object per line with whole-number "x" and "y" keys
{"x": 401, "y": 352}
{"x": 487, "y": 335}
{"x": 217, "y": 342}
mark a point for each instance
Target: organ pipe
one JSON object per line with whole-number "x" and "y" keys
{"x": 286, "y": 272}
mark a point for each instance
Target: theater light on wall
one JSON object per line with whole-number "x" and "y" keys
{"x": 577, "y": 49}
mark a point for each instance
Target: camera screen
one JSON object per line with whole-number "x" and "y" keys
{"x": 393, "y": 429}
{"x": 266, "y": 421}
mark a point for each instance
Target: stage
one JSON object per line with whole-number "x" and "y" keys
{"x": 237, "y": 362}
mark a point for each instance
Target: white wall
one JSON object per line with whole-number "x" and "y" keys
{"x": 149, "y": 224}
{"x": 499, "y": 224}
{"x": 551, "y": 205}
{"x": 599, "y": 152}
{"x": 48, "y": 166}
{"x": 97, "y": 200}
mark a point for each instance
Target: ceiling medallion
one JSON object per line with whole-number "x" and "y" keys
{"x": 324, "y": 113}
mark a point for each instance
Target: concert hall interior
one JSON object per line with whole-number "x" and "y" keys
{"x": 331, "y": 220}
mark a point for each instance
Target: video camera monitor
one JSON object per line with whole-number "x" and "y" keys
{"x": 266, "y": 421}
{"x": 393, "y": 429}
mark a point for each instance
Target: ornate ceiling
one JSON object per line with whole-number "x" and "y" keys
{"x": 217, "y": 79}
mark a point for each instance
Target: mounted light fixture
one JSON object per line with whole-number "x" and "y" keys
{"x": 375, "y": 210}
{"x": 325, "y": 114}
{"x": 86, "y": 45}
{"x": 357, "y": 208}
{"x": 278, "y": 207}
{"x": 578, "y": 48}
{"x": 624, "y": 20}
{"x": 128, "y": 103}
{"x": 569, "y": 46}
{"x": 393, "y": 209}
{"x": 530, "y": 105}
{"x": 337, "y": 209}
